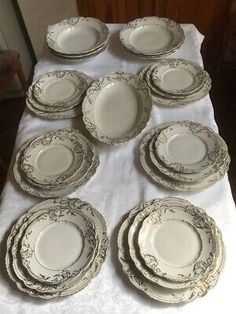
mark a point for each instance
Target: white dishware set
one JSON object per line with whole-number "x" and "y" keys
{"x": 184, "y": 156}
{"x": 55, "y": 163}
{"x": 56, "y": 248}
{"x": 171, "y": 250}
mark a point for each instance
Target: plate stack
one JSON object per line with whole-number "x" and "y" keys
{"x": 56, "y": 248}
{"x": 58, "y": 94}
{"x": 176, "y": 82}
{"x": 152, "y": 37}
{"x": 171, "y": 250}
{"x": 55, "y": 163}
{"x": 78, "y": 38}
{"x": 184, "y": 156}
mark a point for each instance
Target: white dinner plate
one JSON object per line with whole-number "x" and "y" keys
{"x": 58, "y": 242}
{"x": 187, "y": 147}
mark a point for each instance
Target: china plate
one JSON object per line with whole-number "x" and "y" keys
{"x": 84, "y": 56}
{"x": 165, "y": 100}
{"x": 176, "y": 243}
{"x": 92, "y": 162}
{"x": 178, "y": 76}
{"x": 188, "y": 177}
{"x": 154, "y": 290}
{"x": 77, "y": 35}
{"x": 187, "y": 147}
{"x": 117, "y": 107}
{"x": 135, "y": 252}
{"x": 53, "y": 157}
{"x": 58, "y": 242}
{"x": 60, "y": 88}
{"x": 37, "y": 289}
{"x": 157, "y": 176}
{"x": 151, "y": 35}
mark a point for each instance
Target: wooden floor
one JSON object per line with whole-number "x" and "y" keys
{"x": 223, "y": 95}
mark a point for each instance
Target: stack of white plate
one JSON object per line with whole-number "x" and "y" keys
{"x": 58, "y": 94}
{"x": 117, "y": 107}
{"x": 171, "y": 250}
{"x": 184, "y": 156}
{"x": 55, "y": 163}
{"x": 176, "y": 82}
{"x": 152, "y": 37}
{"x": 78, "y": 38}
{"x": 56, "y": 248}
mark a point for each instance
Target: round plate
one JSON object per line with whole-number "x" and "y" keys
{"x": 154, "y": 290}
{"x": 53, "y": 157}
{"x": 157, "y": 176}
{"x": 178, "y": 76}
{"x": 58, "y": 242}
{"x": 42, "y": 290}
{"x": 177, "y": 243}
{"x": 151, "y": 35}
{"x": 187, "y": 147}
{"x": 77, "y": 35}
{"x": 60, "y": 88}
{"x": 117, "y": 107}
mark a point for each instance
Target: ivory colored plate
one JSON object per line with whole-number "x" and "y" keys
{"x": 174, "y": 245}
{"x": 58, "y": 242}
{"x": 151, "y": 35}
{"x": 154, "y": 290}
{"x": 53, "y": 157}
{"x": 37, "y": 289}
{"x": 188, "y": 177}
{"x": 163, "y": 99}
{"x": 80, "y": 178}
{"x": 187, "y": 147}
{"x": 178, "y": 76}
{"x": 60, "y": 88}
{"x": 156, "y": 175}
{"x": 134, "y": 248}
{"x": 117, "y": 107}
{"x": 77, "y": 35}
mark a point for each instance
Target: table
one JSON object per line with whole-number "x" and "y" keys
{"x": 118, "y": 186}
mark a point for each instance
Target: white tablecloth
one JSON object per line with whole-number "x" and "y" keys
{"x": 118, "y": 185}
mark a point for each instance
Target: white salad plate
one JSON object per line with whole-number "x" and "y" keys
{"x": 211, "y": 175}
{"x": 187, "y": 147}
{"x": 80, "y": 177}
{"x": 117, "y": 107}
{"x": 56, "y": 108}
{"x": 68, "y": 284}
{"x": 60, "y": 88}
{"x": 53, "y": 158}
{"x": 174, "y": 245}
{"x": 187, "y": 177}
{"x": 178, "y": 77}
{"x": 58, "y": 242}
{"x": 77, "y": 35}
{"x": 156, "y": 289}
{"x": 160, "y": 97}
{"x": 150, "y": 36}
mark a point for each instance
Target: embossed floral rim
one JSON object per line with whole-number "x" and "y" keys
{"x": 169, "y": 25}
{"x": 154, "y": 291}
{"x": 142, "y": 91}
{"x": 75, "y": 22}
{"x": 43, "y": 290}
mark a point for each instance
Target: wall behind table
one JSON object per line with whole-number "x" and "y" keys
{"x": 15, "y": 40}
{"x": 37, "y": 15}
